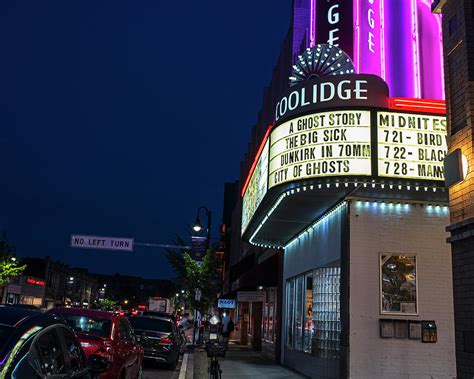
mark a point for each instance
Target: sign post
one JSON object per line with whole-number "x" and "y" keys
{"x": 197, "y": 298}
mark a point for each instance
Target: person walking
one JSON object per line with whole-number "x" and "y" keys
{"x": 227, "y": 327}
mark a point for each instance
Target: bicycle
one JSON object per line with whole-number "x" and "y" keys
{"x": 214, "y": 351}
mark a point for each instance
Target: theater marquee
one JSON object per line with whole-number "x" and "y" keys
{"x": 411, "y": 146}
{"x": 320, "y": 144}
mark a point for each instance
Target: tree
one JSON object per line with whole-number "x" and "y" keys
{"x": 107, "y": 304}
{"x": 202, "y": 275}
{"x": 176, "y": 258}
{"x": 10, "y": 266}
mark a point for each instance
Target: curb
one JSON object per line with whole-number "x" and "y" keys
{"x": 184, "y": 366}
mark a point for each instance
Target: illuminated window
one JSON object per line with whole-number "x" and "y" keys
{"x": 308, "y": 313}
{"x": 326, "y": 312}
{"x": 313, "y": 312}
{"x": 398, "y": 284}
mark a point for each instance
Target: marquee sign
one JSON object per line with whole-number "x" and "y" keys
{"x": 411, "y": 146}
{"x": 398, "y": 40}
{"x": 257, "y": 187}
{"x": 320, "y": 144}
{"x": 332, "y": 92}
{"x": 334, "y": 24}
{"x": 343, "y": 126}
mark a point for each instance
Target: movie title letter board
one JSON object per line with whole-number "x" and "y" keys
{"x": 411, "y": 146}
{"x": 320, "y": 144}
{"x": 256, "y": 189}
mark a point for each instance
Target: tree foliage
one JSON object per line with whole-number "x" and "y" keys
{"x": 176, "y": 259}
{"x": 10, "y": 266}
{"x": 202, "y": 275}
{"x": 193, "y": 274}
{"x": 107, "y": 304}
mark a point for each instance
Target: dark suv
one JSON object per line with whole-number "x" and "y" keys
{"x": 159, "y": 314}
{"x": 159, "y": 337}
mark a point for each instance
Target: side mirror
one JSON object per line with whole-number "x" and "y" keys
{"x": 98, "y": 364}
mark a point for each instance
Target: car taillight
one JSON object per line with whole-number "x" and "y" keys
{"x": 166, "y": 341}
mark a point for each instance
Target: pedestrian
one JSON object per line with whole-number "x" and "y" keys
{"x": 227, "y": 327}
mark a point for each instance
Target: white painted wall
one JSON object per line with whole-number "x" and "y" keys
{"x": 405, "y": 229}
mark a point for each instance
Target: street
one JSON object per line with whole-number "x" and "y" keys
{"x": 153, "y": 370}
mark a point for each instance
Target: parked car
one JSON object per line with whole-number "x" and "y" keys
{"x": 159, "y": 314}
{"x": 160, "y": 338}
{"x": 35, "y": 345}
{"x": 108, "y": 335}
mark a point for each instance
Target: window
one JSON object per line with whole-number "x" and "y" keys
{"x": 313, "y": 312}
{"x": 308, "y": 313}
{"x": 398, "y": 284}
{"x": 265, "y": 321}
{"x": 151, "y": 324}
{"x": 326, "y": 312}
{"x": 91, "y": 325}
{"x": 299, "y": 313}
{"x": 124, "y": 330}
{"x": 269, "y": 309}
{"x": 290, "y": 299}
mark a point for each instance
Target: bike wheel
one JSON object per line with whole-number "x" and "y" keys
{"x": 214, "y": 370}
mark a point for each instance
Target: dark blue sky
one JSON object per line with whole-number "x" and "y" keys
{"x": 120, "y": 118}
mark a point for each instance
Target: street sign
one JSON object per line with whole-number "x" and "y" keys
{"x": 226, "y": 303}
{"x": 197, "y": 294}
{"x": 251, "y": 296}
{"x": 103, "y": 243}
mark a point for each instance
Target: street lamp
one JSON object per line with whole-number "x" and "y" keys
{"x": 197, "y": 224}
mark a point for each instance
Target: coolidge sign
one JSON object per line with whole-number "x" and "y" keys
{"x": 341, "y": 126}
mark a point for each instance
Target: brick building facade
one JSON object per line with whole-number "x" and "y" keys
{"x": 458, "y": 36}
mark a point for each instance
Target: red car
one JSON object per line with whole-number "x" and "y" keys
{"x": 109, "y": 335}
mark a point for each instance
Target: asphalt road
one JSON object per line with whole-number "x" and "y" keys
{"x": 152, "y": 370}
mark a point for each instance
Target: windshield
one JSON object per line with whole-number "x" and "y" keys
{"x": 148, "y": 323}
{"x": 90, "y": 325}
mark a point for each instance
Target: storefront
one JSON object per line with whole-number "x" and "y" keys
{"x": 349, "y": 184}
{"x": 25, "y": 290}
{"x": 393, "y": 281}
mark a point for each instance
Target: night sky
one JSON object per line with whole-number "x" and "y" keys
{"x": 121, "y": 118}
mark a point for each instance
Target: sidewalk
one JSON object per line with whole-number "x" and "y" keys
{"x": 241, "y": 362}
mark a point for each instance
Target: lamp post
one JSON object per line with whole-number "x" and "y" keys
{"x": 197, "y": 228}
{"x": 197, "y": 224}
